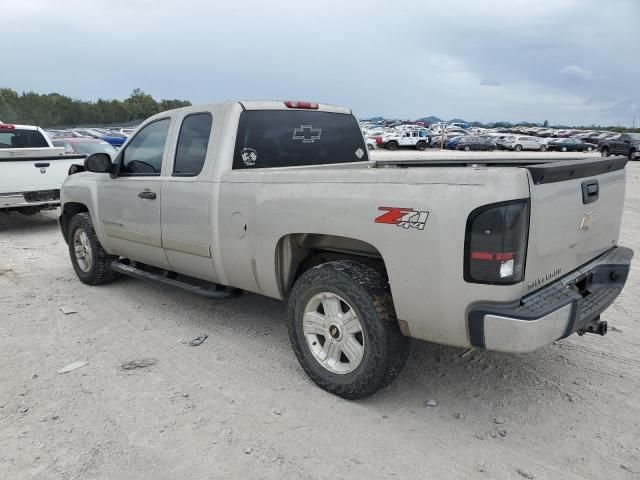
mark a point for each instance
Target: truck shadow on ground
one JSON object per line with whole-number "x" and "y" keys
{"x": 450, "y": 376}
{"x": 14, "y": 222}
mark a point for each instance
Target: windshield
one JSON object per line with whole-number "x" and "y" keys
{"x": 285, "y": 138}
{"x": 19, "y": 138}
{"x": 634, "y": 136}
{"x": 87, "y": 148}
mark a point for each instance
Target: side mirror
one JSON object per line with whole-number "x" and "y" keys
{"x": 98, "y": 163}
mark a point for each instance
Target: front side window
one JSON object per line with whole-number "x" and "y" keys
{"x": 192, "y": 144}
{"x": 143, "y": 155}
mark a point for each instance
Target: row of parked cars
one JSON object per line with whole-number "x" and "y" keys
{"x": 458, "y": 137}
{"x": 115, "y": 136}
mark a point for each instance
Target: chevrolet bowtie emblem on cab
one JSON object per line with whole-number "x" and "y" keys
{"x": 587, "y": 221}
{"x": 307, "y": 133}
{"x": 43, "y": 170}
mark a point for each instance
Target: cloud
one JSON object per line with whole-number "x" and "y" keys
{"x": 576, "y": 73}
{"x": 546, "y": 64}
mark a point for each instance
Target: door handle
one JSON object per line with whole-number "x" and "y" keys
{"x": 148, "y": 195}
{"x": 41, "y": 165}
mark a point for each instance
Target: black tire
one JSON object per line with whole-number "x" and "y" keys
{"x": 563, "y": 149}
{"x": 421, "y": 146}
{"x": 392, "y": 146}
{"x": 632, "y": 155}
{"x": 367, "y": 292}
{"x": 100, "y": 269}
{"x": 543, "y": 148}
{"x": 604, "y": 152}
{"x": 518, "y": 148}
{"x": 466, "y": 148}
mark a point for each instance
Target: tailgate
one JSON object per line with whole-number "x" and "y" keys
{"x": 36, "y": 170}
{"x": 576, "y": 209}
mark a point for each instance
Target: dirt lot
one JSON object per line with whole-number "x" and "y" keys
{"x": 239, "y": 406}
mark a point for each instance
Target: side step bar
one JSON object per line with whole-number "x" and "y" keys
{"x": 209, "y": 292}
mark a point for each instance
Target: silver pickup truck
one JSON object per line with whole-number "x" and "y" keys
{"x": 281, "y": 199}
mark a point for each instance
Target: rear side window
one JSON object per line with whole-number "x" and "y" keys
{"x": 286, "y": 138}
{"x": 192, "y": 145}
{"x": 22, "y": 139}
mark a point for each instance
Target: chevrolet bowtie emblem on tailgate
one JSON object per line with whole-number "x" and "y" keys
{"x": 587, "y": 221}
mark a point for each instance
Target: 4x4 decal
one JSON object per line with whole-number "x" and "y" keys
{"x": 403, "y": 217}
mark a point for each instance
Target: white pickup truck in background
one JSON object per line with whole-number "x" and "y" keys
{"x": 31, "y": 169}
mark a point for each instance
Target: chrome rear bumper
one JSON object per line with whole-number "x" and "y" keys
{"x": 568, "y": 305}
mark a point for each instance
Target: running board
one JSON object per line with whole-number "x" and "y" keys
{"x": 220, "y": 294}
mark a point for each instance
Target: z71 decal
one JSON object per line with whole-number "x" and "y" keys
{"x": 403, "y": 217}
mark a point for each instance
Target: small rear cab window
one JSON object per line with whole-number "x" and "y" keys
{"x": 20, "y": 138}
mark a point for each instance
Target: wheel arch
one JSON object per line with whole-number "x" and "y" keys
{"x": 298, "y": 252}
{"x": 69, "y": 210}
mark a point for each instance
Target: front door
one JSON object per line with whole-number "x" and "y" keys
{"x": 130, "y": 203}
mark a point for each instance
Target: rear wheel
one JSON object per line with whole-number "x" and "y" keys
{"x": 343, "y": 329}
{"x": 543, "y": 148}
{"x": 369, "y": 146}
{"x": 466, "y": 148}
{"x": 632, "y": 155}
{"x": 392, "y": 146}
{"x": 518, "y": 148}
{"x": 604, "y": 152}
{"x": 589, "y": 149}
{"x": 422, "y": 146}
{"x": 564, "y": 149}
{"x": 90, "y": 262}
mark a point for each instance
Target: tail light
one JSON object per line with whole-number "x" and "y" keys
{"x": 496, "y": 243}
{"x": 6, "y": 126}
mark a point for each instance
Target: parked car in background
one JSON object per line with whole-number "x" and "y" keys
{"x": 473, "y": 142}
{"x": 571, "y": 144}
{"x": 31, "y": 169}
{"x": 627, "y": 144}
{"x": 452, "y": 143}
{"x": 518, "y": 143}
{"x": 85, "y": 146}
{"x": 406, "y": 138}
{"x": 114, "y": 138}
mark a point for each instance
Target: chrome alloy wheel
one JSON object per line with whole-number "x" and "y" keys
{"x": 333, "y": 332}
{"x": 82, "y": 249}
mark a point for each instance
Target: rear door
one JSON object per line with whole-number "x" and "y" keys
{"x": 129, "y": 205}
{"x": 568, "y": 228}
{"x": 186, "y": 199}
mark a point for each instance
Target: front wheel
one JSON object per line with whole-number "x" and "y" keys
{"x": 392, "y": 146}
{"x": 343, "y": 329}
{"x": 604, "y": 152}
{"x": 466, "y": 148}
{"x": 518, "y": 148}
{"x": 421, "y": 146}
{"x": 543, "y": 148}
{"x": 564, "y": 149}
{"x": 90, "y": 262}
{"x": 633, "y": 155}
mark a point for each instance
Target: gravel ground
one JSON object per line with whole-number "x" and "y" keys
{"x": 239, "y": 406}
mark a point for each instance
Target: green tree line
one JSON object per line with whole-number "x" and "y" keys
{"x": 55, "y": 110}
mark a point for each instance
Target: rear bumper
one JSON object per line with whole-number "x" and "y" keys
{"x": 30, "y": 199}
{"x": 556, "y": 311}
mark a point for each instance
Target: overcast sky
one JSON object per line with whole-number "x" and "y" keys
{"x": 567, "y": 61}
